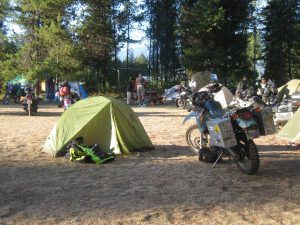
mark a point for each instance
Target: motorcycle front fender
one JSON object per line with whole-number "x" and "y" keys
{"x": 191, "y": 115}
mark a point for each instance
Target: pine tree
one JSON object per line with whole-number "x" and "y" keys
{"x": 164, "y": 46}
{"x": 8, "y": 47}
{"x": 282, "y": 39}
{"x": 47, "y": 48}
{"x": 96, "y": 41}
{"x": 215, "y": 35}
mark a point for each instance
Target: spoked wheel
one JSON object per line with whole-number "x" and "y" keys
{"x": 180, "y": 103}
{"x": 16, "y": 99}
{"x": 194, "y": 137}
{"x": 6, "y": 100}
{"x": 59, "y": 104}
{"x": 75, "y": 98}
{"x": 248, "y": 161}
{"x": 188, "y": 105}
{"x": 35, "y": 109}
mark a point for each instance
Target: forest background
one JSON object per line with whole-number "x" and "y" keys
{"x": 82, "y": 39}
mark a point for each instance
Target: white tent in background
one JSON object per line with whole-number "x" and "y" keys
{"x": 224, "y": 96}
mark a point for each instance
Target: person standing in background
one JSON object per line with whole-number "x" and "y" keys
{"x": 266, "y": 84}
{"x": 130, "y": 90}
{"x": 140, "y": 81}
{"x": 243, "y": 87}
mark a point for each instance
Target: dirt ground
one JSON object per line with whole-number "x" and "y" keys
{"x": 167, "y": 185}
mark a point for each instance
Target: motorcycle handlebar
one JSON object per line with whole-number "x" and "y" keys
{"x": 215, "y": 88}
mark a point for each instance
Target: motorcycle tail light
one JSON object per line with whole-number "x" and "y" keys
{"x": 257, "y": 109}
{"x": 247, "y": 115}
{"x": 234, "y": 116}
{"x": 29, "y": 97}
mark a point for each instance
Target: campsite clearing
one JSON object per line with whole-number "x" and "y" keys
{"x": 167, "y": 185}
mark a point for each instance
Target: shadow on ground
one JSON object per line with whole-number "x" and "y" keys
{"x": 151, "y": 180}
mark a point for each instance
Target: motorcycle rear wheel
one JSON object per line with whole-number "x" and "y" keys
{"x": 75, "y": 98}
{"x": 188, "y": 105}
{"x": 179, "y": 103}
{"x": 60, "y": 104}
{"x": 248, "y": 161}
{"x": 6, "y": 99}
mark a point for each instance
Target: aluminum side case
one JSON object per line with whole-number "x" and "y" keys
{"x": 265, "y": 121}
{"x": 221, "y": 133}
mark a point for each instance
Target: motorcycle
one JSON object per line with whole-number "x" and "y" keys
{"x": 172, "y": 93}
{"x": 72, "y": 98}
{"x": 184, "y": 100}
{"x": 247, "y": 98}
{"x": 286, "y": 109}
{"x": 295, "y": 98}
{"x": 74, "y": 95}
{"x": 11, "y": 92}
{"x": 228, "y": 133}
{"x": 250, "y": 102}
{"x": 69, "y": 100}
{"x": 29, "y": 102}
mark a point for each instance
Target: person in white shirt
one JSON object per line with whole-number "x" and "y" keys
{"x": 140, "y": 82}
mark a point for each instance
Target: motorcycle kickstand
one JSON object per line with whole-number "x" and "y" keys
{"x": 218, "y": 159}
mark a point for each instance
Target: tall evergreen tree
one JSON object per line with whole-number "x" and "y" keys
{"x": 282, "y": 39}
{"x": 96, "y": 39}
{"x": 164, "y": 42}
{"x": 3, "y": 40}
{"x": 124, "y": 15}
{"x": 214, "y": 35}
{"x": 8, "y": 47}
{"x": 47, "y": 49}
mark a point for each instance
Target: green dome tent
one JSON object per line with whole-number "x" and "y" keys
{"x": 105, "y": 121}
{"x": 291, "y": 131}
{"x": 288, "y": 89}
{"x": 19, "y": 79}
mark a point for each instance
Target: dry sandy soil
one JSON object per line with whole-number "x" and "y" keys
{"x": 167, "y": 185}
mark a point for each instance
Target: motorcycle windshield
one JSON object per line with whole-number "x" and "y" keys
{"x": 214, "y": 108}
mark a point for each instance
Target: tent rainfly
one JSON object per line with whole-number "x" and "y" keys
{"x": 99, "y": 120}
{"x": 291, "y": 131}
{"x": 288, "y": 89}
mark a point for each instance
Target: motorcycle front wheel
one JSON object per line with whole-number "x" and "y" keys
{"x": 6, "y": 99}
{"x": 180, "y": 103}
{"x": 248, "y": 158}
{"x": 193, "y": 138}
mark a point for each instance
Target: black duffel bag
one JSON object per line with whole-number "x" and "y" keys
{"x": 207, "y": 155}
